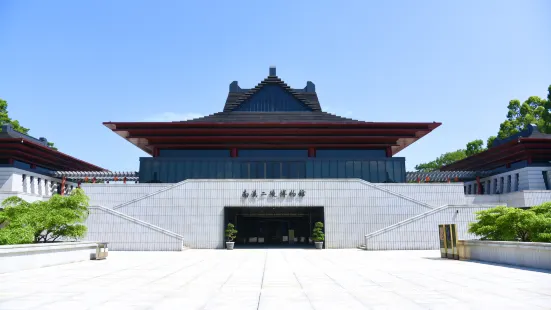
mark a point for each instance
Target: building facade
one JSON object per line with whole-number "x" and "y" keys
{"x": 272, "y": 163}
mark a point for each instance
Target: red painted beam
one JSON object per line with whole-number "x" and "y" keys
{"x": 272, "y": 146}
{"x": 158, "y": 125}
{"x": 147, "y": 133}
{"x": 271, "y": 139}
{"x": 45, "y": 151}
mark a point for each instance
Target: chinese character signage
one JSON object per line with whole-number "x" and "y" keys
{"x": 273, "y": 193}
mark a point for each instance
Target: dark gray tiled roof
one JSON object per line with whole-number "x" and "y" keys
{"x": 273, "y": 117}
{"x": 235, "y": 98}
{"x": 531, "y": 131}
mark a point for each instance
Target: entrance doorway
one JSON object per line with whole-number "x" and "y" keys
{"x": 273, "y": 226}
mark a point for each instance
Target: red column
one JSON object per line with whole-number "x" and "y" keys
{"x": 479, "y": 190}
{"x": 62, "y": 186}
{"x": 388, "y": 151}
{"x": 233, "y": 152}
{"x": 155, "y": 152}
{"x": 311, "y": 152}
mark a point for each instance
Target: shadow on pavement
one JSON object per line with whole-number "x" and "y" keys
{"x": 493, "y": 264}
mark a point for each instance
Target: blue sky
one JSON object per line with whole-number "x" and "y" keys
{"x": 68, "y": 66}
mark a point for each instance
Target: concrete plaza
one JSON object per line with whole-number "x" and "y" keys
{"x": 276, "y": 279}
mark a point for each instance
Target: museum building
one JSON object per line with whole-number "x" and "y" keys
{"x": 273, "y": 163}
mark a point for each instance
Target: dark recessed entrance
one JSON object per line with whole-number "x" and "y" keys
{"x": 273, "y": 226}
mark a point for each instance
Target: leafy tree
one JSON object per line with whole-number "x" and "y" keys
{"x": 512, "y": 224}
{"x": 61, "y": 217}
{"x": 317, "y": 233}
{"x": 490, "y": 141}
{"x": 5, "y": 119}
{"x": 441, "y": 161}
{"x": 486, "y": 225}
{"x": 542, "y": 223}
{"x": 534, "y": 110}
{"x": 231, "y": 232}
{"x": 474, "y": 147}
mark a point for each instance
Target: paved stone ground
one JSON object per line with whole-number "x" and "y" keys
{"x": 276, "y": 279}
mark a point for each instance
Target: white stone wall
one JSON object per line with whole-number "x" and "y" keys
{"x": 125, "y": 233}
{"x": 524, "y": 254}
{"x": 353, "y": 208}
{"x": 30, "y": 256}
{"x": 522, "y": 199}
{"x": 422, "y": 233}
{"x": 530, "y": 178}
{"x": 111, "y": 195}
{"x": 28, "y": 185}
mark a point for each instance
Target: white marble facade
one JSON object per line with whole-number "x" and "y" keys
{"x": 194, "y": 210}
{"x": 28, "y": 185}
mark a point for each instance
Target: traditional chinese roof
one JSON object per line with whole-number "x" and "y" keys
{"x": 530, "y": 145}
{"x": 17, "y": 146}
{"x": 271, "y": 115}
{"x": 445, "y": 176}
{"x": 98, "y": 175}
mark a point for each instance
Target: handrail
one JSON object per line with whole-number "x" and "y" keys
{"x": 137, "y": 221}
{"x": 406, "y": 221}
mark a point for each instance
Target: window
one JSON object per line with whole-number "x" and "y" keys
{"x": 195, "y": 153}
{"x": 508, "y": 183}
{"x": 501, "y": 184}
{"x": 350, "y": 154}
{"x": 545, "y": 179}
{"x": 31, "y": 179}
{"x": 517, "y": 180}
{"x": 495, "y": 186}
{"x": 24, "y": 180}
{"x": 272, "y": 153}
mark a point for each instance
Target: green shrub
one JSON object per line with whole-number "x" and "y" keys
{"x": 61, "y": 217}
{"x": 231, "y": 232}
{"x": 512, "y": 224}
{"x": 317, "y": 233}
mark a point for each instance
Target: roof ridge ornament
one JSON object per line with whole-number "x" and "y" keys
{"x": 272, "y": 71}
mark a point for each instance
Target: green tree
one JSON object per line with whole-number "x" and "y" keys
{"x": 442, "y": 160}
{"x": 61, "y": 217}
{"x": 317, "y": 233}
{"x": 474, "y": 147}
{"x": 231, "y": 232}
{"x": 486, "y": 225}
{"x": 534, "y": 110}
{"x": 512, "y": 224}
{"x": 5, "y": 119}
{"x": 490, "y": 141}
{"x": 542, "y": 223}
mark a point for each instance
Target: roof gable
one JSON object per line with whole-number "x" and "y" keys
{"x": 272, "y": 98}
{"x": 272, "y": 95}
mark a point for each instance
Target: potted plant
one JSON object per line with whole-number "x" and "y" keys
{"x": 230, "y": 234}
{"x": 318, "y": 236}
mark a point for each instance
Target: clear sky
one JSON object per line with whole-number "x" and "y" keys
{"x": 68, "y": 66}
